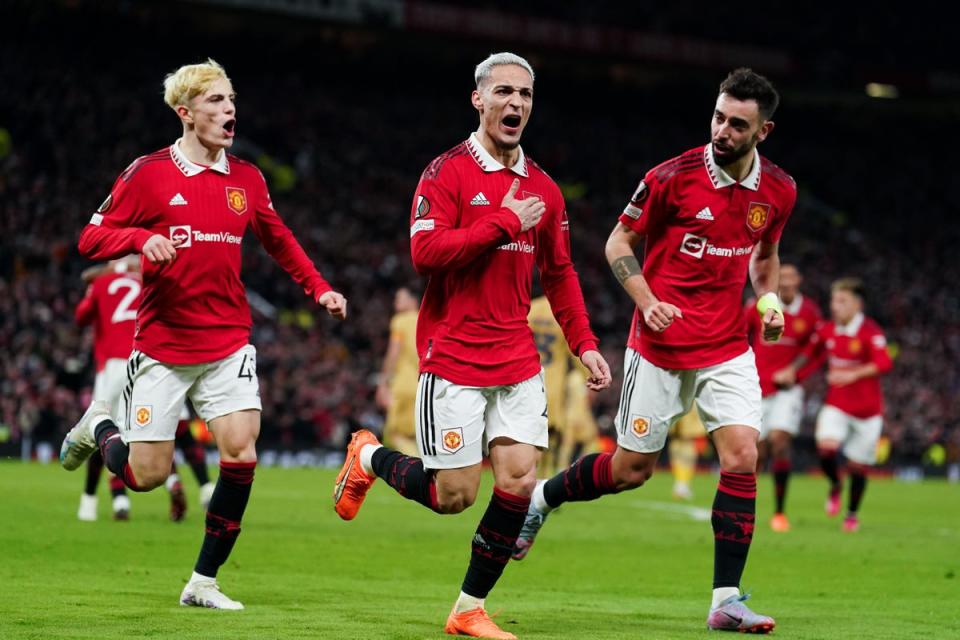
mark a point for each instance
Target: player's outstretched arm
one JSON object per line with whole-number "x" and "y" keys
{"x": 657, "y": 314}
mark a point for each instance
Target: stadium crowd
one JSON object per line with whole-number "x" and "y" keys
{"x": 343, "y": 144}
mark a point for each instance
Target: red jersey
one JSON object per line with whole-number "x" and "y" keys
{"x": 194, "y": 309}
{"x": 472, "y": 328}
{"x": 800, "y": 320}
{"x": 701, "y": 227}
{"x": 110, "y": 305}
{"x": 858, "y": 343}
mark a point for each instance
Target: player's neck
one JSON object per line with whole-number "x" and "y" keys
{"x": 740, "y": 169}
{"x": 506, "y": 157}
{"x": 196, "y": 151}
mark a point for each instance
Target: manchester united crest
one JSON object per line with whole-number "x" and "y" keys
{"x": 452, "y": 439}
{"x": 799, "y": 325}
{"x": 143, "y": 414}
{"x": 237, "y": 200}
{"x": 855, "y": 346}
{"x": 641, "y": 425}
{"x": 757, "y": 214}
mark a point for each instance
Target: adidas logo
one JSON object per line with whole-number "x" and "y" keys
{"x": 704, "y": 214}
{"x": 479, "y": 199}
{"x": 178, "y": 201}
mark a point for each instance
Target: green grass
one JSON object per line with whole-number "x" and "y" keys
{"x": 635, "y": 565}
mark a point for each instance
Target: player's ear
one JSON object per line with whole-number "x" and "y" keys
{"x": 184, "y": 112}
{"x": 765, "y": 129}
{"x": 476, "y": 101}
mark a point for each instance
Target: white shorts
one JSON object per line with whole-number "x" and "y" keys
{"x": 653, "y": 399}
{"x": 153, "y": 400}
{"x": 455, "y": 424}
{"x": 858, "y": 435}
{"x": 782, "y": 411}
{"x": 109, "y": 383}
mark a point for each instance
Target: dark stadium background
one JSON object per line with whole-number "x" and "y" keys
{"x": 343, "y": 104}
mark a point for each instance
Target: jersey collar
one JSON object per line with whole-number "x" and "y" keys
{"x": 851, "y": 328}
{"x": 488, "y": 163}
{"x": 190, "y": 169}
{"x": 721, "y": 178}
{"x": 794, "y": 307}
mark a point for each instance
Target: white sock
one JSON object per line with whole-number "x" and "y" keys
{"x": 172, "y": 479}
{"x": 538, "y": 501}
{"x": 467, "y": 603}
{"x": 366, "y": 457}
{"x": 196, "y": 577}
{"x": 722, "y": 593}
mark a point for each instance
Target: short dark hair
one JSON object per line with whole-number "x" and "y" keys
{"x": 853, "y": 285}
{"x": 746, "y": 84}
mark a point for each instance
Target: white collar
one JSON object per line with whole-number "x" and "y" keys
{"x": 794, "y": 307}
{"x": 851, "y": 328}
{"x": 721, "y": 178}
{"x": 190, "y": 169}
{"x": 490, "y": 164}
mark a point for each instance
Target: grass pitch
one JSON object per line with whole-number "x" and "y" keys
{"x": 635, "y": 565}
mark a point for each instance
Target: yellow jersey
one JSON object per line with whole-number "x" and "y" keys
{"x": 403, "y": 329}
{"x": 555, "y": 358}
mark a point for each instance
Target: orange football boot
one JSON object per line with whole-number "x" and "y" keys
{"x": 352, "y": 481}
{"x": 779, "y": 523}
{"x": 475, "y": 623}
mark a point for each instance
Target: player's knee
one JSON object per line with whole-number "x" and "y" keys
{"x": 238, "y": 449}
{"x": 633, "y": 477}
{"x": 150, "y": 476}
{"x": 453, "y": 503}
{"x": 740, "y": 459}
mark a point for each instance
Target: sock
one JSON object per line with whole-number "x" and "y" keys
{"x": 94, "y": 469}
{"x": 493, "y": 542}
{"x": 405, "y": 474}
{"x": 224, "y": 514}
{"x": 722, "y": 593}
{"x": 467, "y": 603}
{"x": 828, "y": 462}
{"x": 115, "y": 453}
{"x": 194, "y": 453}
{"x": 586, "y": 479}
{"x": 196, "y": 577}
{"x": 858, "y": 484}
{"x": 781, "y": 474}
{"x": 117, "y": 488}
{"x": 366, "y": 458}
{"x": 734, "y": 509}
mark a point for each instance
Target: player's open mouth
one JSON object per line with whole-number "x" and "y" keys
{"x": 511, "y": 123}
{"x": 229, "y": 126}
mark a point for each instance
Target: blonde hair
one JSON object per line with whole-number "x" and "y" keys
{"x": 485, "y": 68}
{"x": 190, "y": 80}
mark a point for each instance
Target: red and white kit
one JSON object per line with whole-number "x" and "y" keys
{"x": 783, "y": 408}
{"x": 472, "y": 329}
{"x": 194, "y": 310}
{"x": 853, "y": 413}
{"x": 700, "y": 228}
{"x": 110, "y": 306}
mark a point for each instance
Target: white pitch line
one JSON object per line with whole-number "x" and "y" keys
{"x": 694, "y": 513}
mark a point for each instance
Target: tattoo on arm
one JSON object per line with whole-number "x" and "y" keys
{"x": 625, "y": 267}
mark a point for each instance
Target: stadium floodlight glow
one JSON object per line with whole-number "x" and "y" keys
{"x": 881, "y": 90}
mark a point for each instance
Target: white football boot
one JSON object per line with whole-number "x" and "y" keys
{"x": 79, "y": 442}
{"x": 206, "y": 593}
